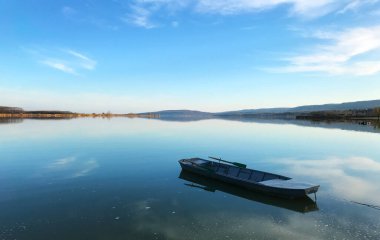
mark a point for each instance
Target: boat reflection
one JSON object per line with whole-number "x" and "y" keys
{"x": 302, "y": 205}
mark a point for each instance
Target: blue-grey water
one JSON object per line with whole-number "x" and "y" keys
{"x": 119, "y": 179}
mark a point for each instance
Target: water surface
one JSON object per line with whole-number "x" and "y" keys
{"x": 119, "y": 179}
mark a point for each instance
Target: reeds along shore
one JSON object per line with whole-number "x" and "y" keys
{"x": 73, "y": 115}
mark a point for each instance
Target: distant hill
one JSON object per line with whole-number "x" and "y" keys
{"x": 254, "y": 111}
{"x": 307, "y": 108}
{"x": 191, "y": 115}
{"x": 180, "y": 113}
{"x": 184, "y": 115}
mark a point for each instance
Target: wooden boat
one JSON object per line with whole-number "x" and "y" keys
{"x": 237, "y": 174}
{"x": 302, "y": 205}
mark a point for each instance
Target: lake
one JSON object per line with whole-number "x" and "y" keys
{"x": 119, "y": 178}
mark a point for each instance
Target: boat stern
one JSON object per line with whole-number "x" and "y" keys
{"x": 311, "y": 190}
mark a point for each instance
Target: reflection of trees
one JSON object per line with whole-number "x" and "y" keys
{"x": 376, "y": 125}
{"x": 377, "y": 112}
{"x": 10, "y": 120}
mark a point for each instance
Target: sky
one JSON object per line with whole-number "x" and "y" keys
{"x": 148, "y": 55}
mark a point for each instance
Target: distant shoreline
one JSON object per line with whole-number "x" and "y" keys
{"x": 360, "y": 111}
{"x": 73, "y": 115}
{"x": 157, "y": 116}
{"x": 313, "y": 116}
{"x": 353, "y": 118}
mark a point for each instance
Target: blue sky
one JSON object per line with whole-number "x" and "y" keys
{"x": 146, "y": 55}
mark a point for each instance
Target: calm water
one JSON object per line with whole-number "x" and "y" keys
{"x": 119, "y": 179}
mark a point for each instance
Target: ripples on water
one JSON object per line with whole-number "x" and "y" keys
{"x": 119, "y": 179}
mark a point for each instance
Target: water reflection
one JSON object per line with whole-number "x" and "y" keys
{"x": 302, "y": 205}
{"x": 69, "y": 167}
{"x": 352, "y": 125}
{"x": 10, "y": 120}
{"x": 342, "y": 176}
{"x": 118, "y": 179}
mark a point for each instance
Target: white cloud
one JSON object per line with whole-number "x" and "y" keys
{"x": 237, "y": 6}
{"x": 305, "y": 8}
{"x": 363, "y": 68}
{"x": 139, "y": 17}
{"x": 85, "y": 61}
{"x": 346, "y": 53}
{"x": 355, "y": 5}
{"x": 141, "y": 12}
{"x": 144, "y": 13}
{"x": 57, "y": 64}
{"x": 65, "y": 60}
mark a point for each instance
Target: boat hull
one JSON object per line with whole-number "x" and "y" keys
{"x": 249, "y": 185}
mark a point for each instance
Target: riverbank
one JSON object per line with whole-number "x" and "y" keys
{"x": 72, "y": 115}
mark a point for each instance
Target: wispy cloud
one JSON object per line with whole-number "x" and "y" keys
{"x": 150, "y": 14}
{"x": 84, "y": 61}
{"x": 65, "y": 60}
{"x": 146, "y": 13}
{"x": 356, "y": 5}
{"x": 142, "y": 12}
{"x": 57, "y": 64}
{"x": 353, "y": 51}
{"x": 304, "y": 8}
{"x": 139, "y": 16}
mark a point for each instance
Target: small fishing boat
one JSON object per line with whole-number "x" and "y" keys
{"x": 238, "y": 174}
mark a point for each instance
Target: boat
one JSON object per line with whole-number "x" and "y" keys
{"x": 238, "y": 174}
{"x": 301, "y": 205}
